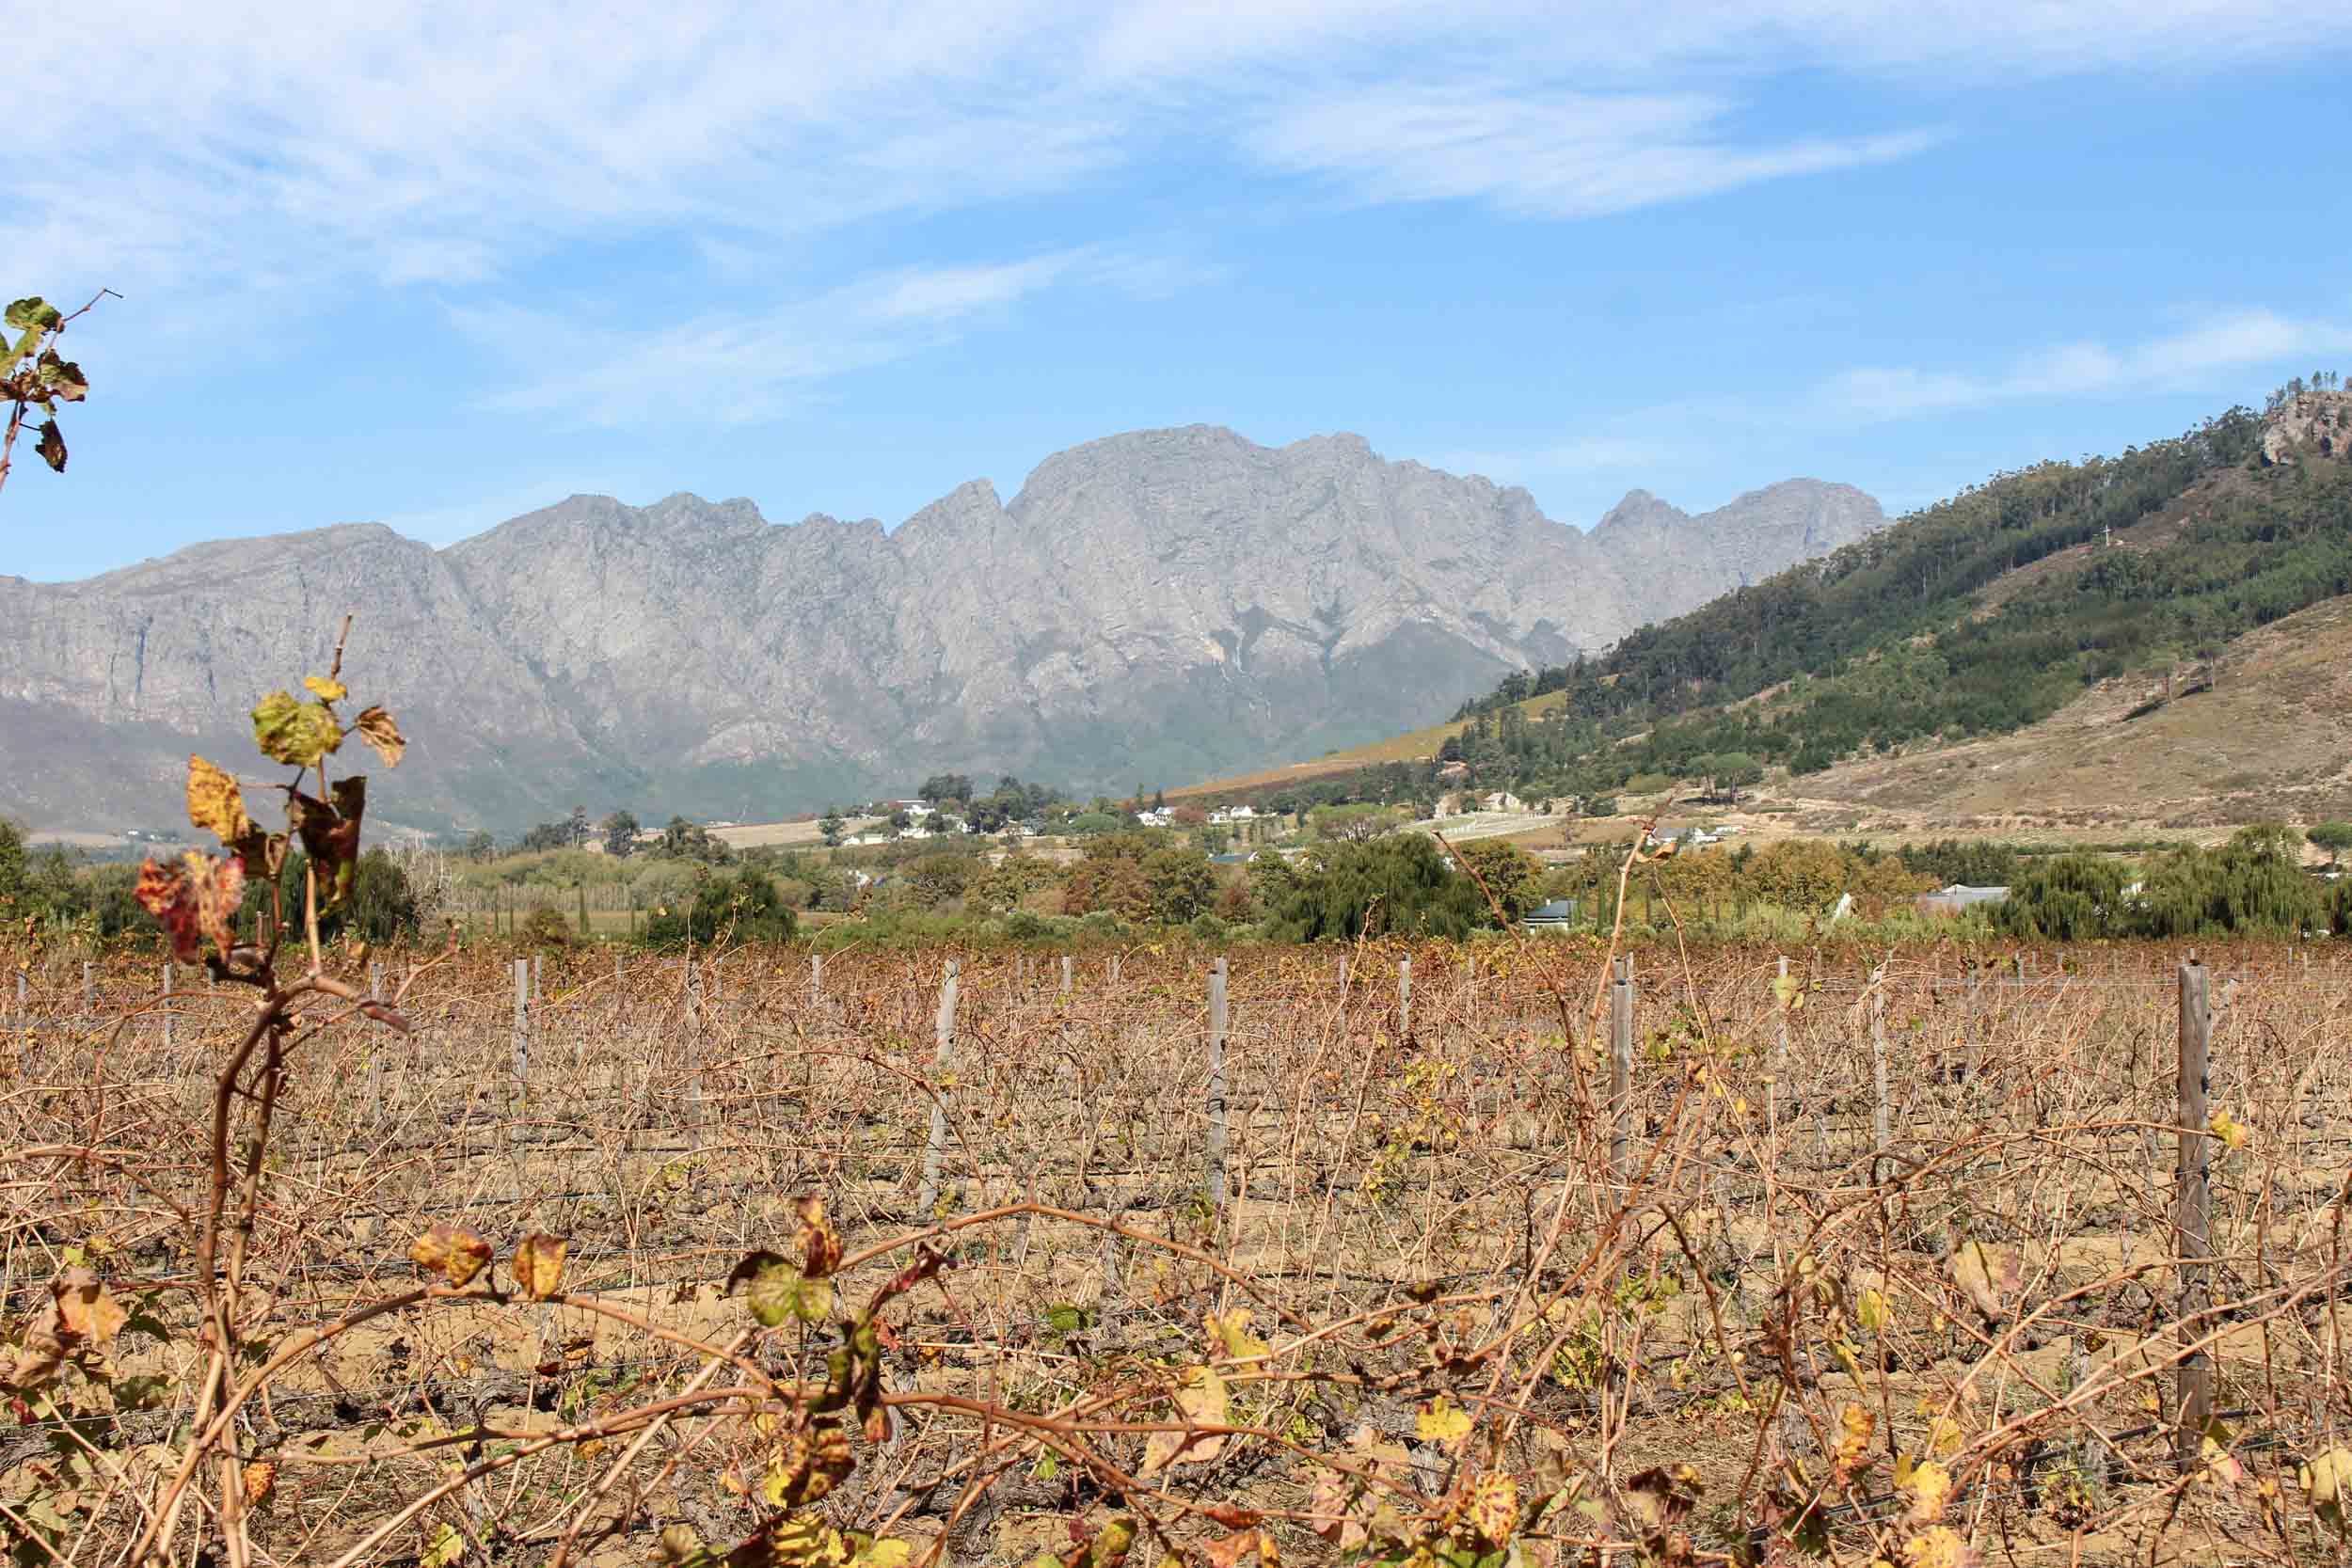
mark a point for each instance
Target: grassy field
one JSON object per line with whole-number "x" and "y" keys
{"x": 1413, "y": 746}
{"x": 1886, "y": 1253}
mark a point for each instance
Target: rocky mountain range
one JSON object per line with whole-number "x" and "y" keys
{"x": 1150, "y": 608}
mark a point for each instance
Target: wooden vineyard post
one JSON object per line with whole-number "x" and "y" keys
{"x": 2196, "y": 1215}
{"x": 1217, "y": 1088}
{"x": 695, "y": 1046}
{"x": 935, "y": 1150}
{"x": 24, "y": 1015}
{"x": 376, "y": 1045}
{"x": 816, "y": 979}
{"x": 1068, "y": 966}
{"x": 1880, "y": 1134}
{"x": 90, "y": 990}
{"x": 166, "y": 1010}
{"x": 1405, "y": 998}
{"x": 1620, "y": 1066}
{"x": 523, "y": 1021}
{"x": 1780, "y": 1050}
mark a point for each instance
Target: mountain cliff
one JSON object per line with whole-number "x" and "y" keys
{"x": 1151, "y": 606}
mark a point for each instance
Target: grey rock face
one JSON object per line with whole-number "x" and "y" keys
{"x": 1150, "y": 608}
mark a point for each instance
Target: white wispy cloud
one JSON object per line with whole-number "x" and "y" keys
{"x": 2185, "y": 358}
{"x": 1548, "y": 154}
{"x": 256, "y": 157}
{"x": 449, "y": 142}
{"x": 738, "y": 367}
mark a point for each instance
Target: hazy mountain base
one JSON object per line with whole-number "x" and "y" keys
{"x": 1151, "y": 608}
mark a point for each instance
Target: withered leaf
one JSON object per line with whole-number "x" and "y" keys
{"x": 1201, "y": 1401}
{"x": 451, "y": 1251}
{"x": 330, "y": 834}
{"x": 195, "y": 901}
{"x": 538, "y": 1265}
{"x": 215, "y": 802}
{"x": 376, "y": 728}
{"x": 817, "y": 1242}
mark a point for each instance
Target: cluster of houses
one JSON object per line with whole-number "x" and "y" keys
{"x": 1222, "y": 816}
{"x": 1694, "y": 838}
{"x": 924, "y": 820}
{"x": 1458, "y": 805}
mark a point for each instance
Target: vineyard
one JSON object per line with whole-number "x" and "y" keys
{"x": 1328, "y": 1254}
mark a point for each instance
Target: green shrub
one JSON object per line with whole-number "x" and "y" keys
{"x": 741, "y": 906}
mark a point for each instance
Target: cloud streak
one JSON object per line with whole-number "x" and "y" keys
{"x": 1558, "y": 155}
{"x": 253, "y": 159}
{"x": 2186, "y": 359}
{"x": 742, "y": 367}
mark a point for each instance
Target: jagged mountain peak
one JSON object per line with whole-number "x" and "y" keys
{"x": 1162, "y": 604}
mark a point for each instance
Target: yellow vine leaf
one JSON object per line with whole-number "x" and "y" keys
{"x": 323, "y": 690}
{"x": 1855, "y": 1425}
{"x": 2231, "y": 1131}
{"x": 1929, "y": 1487}
{"x": 449, "y": 1547}
{"x": 215, "y": 802}
{"x": 538, "y": 1265}
{"x": 1940, "y": 1547}
{"x": 1441, "y": 1421}
{"x": 1229, "y": 1332}
{"x": 2326, "y": 1480}
{"x": 1494, "y": 1508}
{"x": 1873, "y": 1311}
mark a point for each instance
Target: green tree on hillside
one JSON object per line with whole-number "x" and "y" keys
{"x": 1399, "y": 885}
{"x": 11, "y": 867}
{"x": 620, "y": 834}
{"x": 1514, "y": 876}
{"x": 1182, "y": 883}
{"x": 743, "y": 906}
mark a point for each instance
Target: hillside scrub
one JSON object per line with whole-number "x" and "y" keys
{"x": 1896, "y": 640}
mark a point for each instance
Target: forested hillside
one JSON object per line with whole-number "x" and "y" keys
{"x": 1973, "y": 617}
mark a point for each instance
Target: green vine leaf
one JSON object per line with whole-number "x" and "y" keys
{"x": 295, "y": 733}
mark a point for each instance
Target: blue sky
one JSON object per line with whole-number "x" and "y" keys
{"x": 438, "y": 265}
